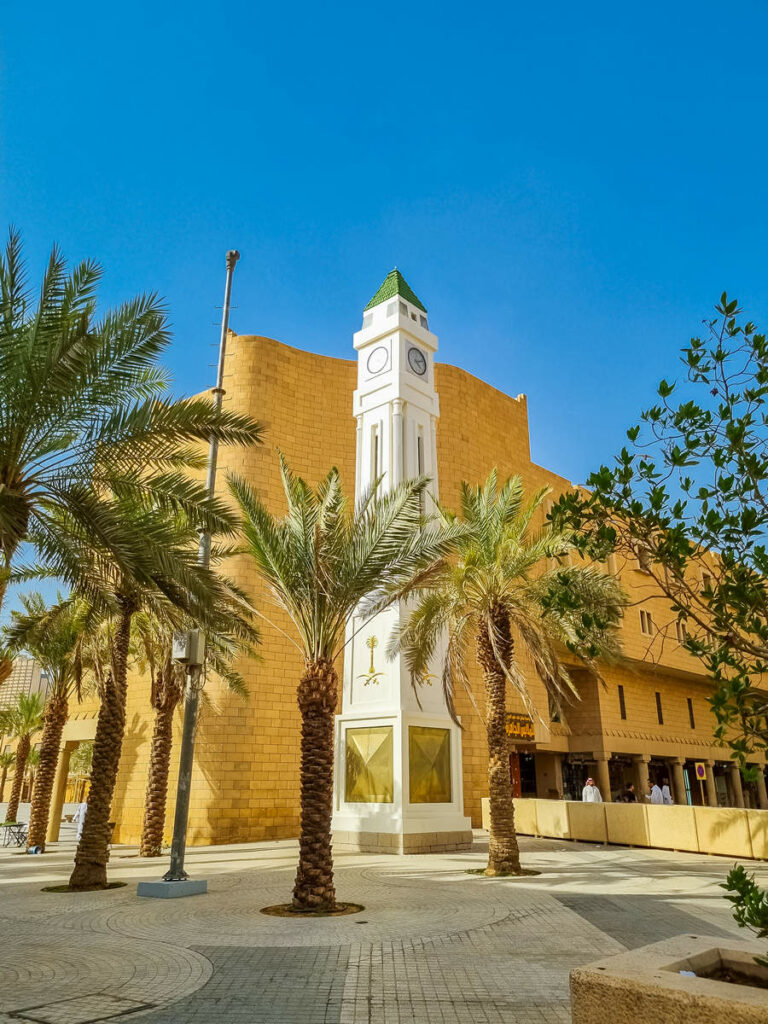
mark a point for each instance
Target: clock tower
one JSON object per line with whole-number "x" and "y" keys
{"x": 398, "y": 783}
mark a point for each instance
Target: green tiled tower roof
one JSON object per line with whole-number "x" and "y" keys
{"x": 395, "y": 284}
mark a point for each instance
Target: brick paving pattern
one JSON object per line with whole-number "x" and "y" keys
{"x": 434, "y": 945}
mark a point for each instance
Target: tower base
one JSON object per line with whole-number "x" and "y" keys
{"x": 403, "y": 843}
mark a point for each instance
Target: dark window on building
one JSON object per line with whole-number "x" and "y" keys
{"x": 622, "y": 705}
{"x": 647, "y": 624}
{"x": 690, "y": 713}
{"x": 659, "y": 712}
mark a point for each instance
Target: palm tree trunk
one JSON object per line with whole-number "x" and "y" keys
{"x": 22, "y": 753}
{"x": 56, "y": 713}
{"x": 90, "y": 870}
{"x": 2, "y": 783}
{"x": 157, "y": 782}
{"x": 317, "y": 697}
{"x": 503, "y": 851}
{"x": 8, "y": 549}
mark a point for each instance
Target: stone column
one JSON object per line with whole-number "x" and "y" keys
{"x": 709, "y": 784}
{"x": 59, "y": 792}
{"x": 558, "y": 765}
{"x": 679, "y": 794}
{"x": 737, "y": 793}
{"x": 642, "y": 780}
{"x": 762, "y": 793}
{"x": 602, "y": 776}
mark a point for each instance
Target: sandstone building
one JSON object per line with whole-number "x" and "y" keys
{"x": 647, "y": 719}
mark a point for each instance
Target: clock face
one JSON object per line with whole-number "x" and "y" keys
{"x": 417, "y": 361}
{"x": 377, "y": 360}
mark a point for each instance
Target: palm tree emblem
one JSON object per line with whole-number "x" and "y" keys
{"x": 371, "y": 676}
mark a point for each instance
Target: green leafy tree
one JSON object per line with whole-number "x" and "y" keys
{"x": 318, "y": 563}
{"x": 497, "y": 588}
{"x": 21, "y": 721}
{"x": 83, "y": 410}
{"x": 688, "y": 498}
{"x": 750, "y": 904}
{"x": 55, "y": 636}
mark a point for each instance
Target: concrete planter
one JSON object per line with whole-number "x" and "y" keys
{"x": 644, "y": 986}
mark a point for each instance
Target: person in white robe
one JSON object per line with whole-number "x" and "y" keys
{"x": 591, "y": 794}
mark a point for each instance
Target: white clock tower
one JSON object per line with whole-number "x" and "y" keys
{"x": 398, "y": 784}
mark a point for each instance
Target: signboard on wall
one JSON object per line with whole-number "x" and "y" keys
{"x": 520, "y": 727}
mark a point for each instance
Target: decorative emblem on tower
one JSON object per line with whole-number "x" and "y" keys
{"x": 371, "y": 676}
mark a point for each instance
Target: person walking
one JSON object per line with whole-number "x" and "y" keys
{"x": 666, "y": 794}
{"x": 657, "y": 797}
{"x": 628, "y": 796}
{"x": 79, "y": 819}
{"x": 591, "y": 794}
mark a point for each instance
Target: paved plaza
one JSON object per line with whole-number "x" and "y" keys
{"x": 434, "y": 943}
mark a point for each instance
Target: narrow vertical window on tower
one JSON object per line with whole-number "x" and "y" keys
{"x": 375, "y": 471}
{"x": 420, "y": 459}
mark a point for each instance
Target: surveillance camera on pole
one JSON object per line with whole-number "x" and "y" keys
{"x": 189, "y": 648}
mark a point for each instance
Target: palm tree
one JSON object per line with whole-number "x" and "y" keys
{"x": 7, "y": 758}
{"x": 33, "y": 763}
{"x": 164, "y": 572}
{"x": 6, "y": 664}
{"x": 81, "y": 406}
{"x": 496, "y": 589}
{"x": 21, "y": 721}
{"x": 154, "y": 639}
{"x": 57, "y": 637}
{"x": 318, "y": 563}
{"x": 153, "y": 643}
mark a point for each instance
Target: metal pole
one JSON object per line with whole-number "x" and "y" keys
{"x": 176, "y": 872}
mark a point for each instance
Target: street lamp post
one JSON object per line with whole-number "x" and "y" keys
{"x": 175, "y": 881}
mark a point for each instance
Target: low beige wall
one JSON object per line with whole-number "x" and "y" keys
{"x": 587, "y": 822}
{"x": 625, "y": 825}
{"x": 758, "y": 833}
{"x": 525, "y": 816}
{"x": 724, "y": 830}
{"x": 553, "y": 819}
{"x": 673, "y": 828}
{"x": 728, "y": 831}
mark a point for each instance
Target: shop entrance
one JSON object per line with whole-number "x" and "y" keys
{"x": 575, "y": 775}
{"x": 522, "y": 773}
{"x": 621, "y": 772}
{"x": 658, "y": 773}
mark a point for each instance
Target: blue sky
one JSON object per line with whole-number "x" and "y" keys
{"x": 567, "y": 187}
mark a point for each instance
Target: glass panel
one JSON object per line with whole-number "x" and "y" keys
{"x": 369, "y": 774}
{"x": 429, "y": 760}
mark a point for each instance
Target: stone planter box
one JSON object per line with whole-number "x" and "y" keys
{"x": 644, "y": 986}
